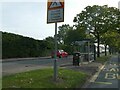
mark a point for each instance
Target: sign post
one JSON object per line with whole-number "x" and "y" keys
{"x": 55, "y": 13}
{"x": 55, "y": 61}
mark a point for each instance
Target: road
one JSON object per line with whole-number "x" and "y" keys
{"x": 16, "y": 66}
{"x": 108, "y": 77}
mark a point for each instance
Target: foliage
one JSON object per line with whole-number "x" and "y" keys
{"x": 103, "y": 59}
{"x": 97, "y": 20}
{"x": 67, "y": 36}
{"x": 111, "y": 38}
{"x": 77, "y": 34}
{"x": 44, "y": 79}
{"x": 62, "y": 33}
{"x": 16, "y": 46}
{"x": 50, "y": 43}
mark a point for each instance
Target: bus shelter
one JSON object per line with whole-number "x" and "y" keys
{"x": 87, "y": 50}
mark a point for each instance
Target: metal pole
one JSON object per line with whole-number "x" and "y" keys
{"x": 55, "y": 61}
{"x": 94, "y": 52}
{"x": 88, "y": 51}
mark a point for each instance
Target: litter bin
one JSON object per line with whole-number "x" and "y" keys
{"x": 76, "y": 58}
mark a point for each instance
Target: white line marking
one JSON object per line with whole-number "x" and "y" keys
{"x": 97, "y": 73}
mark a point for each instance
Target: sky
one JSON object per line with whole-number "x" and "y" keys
{"x": 29, "y": 17}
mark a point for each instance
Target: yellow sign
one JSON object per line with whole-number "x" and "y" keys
{"x": 55, "y": 11}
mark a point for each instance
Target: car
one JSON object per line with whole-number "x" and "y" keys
{"x": 60, "y": 54}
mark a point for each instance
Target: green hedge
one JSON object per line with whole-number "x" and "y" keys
{"x": 17, "y": 46}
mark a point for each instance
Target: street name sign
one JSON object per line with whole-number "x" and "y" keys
{"x": 55, "y": 11}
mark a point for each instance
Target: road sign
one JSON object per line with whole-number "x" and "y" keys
{"x": 55, "y": 5}
{"x": 55, "y": 11}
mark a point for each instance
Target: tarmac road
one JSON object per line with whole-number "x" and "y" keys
{"x": 109, "y": 77}
{"x": 21, "y": 65}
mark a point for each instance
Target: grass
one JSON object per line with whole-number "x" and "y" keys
{"x": 44, "y": 79}
{"x": 0, "y": 83}
{"x": 103, "y": 59}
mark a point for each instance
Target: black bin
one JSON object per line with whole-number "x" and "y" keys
{"x": 76, "y": 58}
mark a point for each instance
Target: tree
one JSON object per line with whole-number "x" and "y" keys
{"x": 62, "y": 33}
{"x": 73, "y": 35}
{"x": 50, "y": 42}
{"x": 112, "y": 39}
{"x": 98, "y": 20}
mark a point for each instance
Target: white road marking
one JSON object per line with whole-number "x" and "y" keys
{"x": 110, "y": 76}
{"x": 97, "y": 73}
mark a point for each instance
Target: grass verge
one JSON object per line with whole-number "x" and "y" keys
{"x": 44, "y": 79}
{"x": 0, "y": 83}
{"x": 103, "y": 59}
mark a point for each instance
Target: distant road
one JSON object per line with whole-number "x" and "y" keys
{"x": 19, "y": 65}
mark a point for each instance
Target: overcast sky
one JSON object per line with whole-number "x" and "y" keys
{"x": 29, "y": 17}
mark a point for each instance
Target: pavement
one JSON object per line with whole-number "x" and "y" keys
{"x": 21, "y": 59}
{"x": 90, "y": 68}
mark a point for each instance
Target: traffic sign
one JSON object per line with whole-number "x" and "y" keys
{"x": 55, "y": 11}
{"x": 55, "y": 5}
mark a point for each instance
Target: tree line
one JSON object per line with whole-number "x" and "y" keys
{"x": 17, "y": 46}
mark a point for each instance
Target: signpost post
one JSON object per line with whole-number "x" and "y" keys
{"x": 55, "y": 13}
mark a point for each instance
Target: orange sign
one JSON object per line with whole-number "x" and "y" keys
{"x": 55, "y": 11}
{"x": 55, "y": 4}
